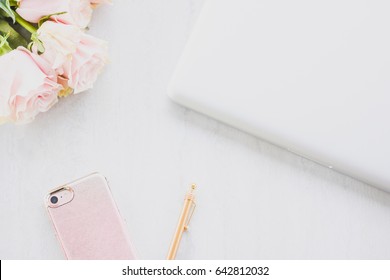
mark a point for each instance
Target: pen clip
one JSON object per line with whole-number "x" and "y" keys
{"x": 193, "y": 206}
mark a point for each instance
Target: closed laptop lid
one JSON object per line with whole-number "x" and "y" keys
{"x": 310, "y": 76}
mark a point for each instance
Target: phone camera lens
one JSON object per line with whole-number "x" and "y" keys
{"x": 54, "y": 199}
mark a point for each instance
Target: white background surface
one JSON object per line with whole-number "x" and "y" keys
{"x": 255, "y": 201}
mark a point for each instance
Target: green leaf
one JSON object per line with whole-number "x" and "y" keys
{"x": 35, "y": 42}
{"x": 4, "y": 46}
{"x": 46, "y": 18}
{"x": 6, "y": 7}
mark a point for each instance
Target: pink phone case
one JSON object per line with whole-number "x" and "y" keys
{"x": 87, "y": 221}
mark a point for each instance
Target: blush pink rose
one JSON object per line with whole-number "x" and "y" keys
{"x": 77, "y": 12}
{"x": 28, "y": 86}
{"x": 77, "y": 58}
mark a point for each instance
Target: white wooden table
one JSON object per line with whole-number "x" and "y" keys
{"x": 255, "y": 201}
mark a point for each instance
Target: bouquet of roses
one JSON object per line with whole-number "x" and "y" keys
{"x": 45, "y": 54}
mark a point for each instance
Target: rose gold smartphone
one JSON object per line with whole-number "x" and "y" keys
{"x": 87, "y": 221}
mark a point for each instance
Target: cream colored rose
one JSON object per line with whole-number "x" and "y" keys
{"x": 77, "y": 57}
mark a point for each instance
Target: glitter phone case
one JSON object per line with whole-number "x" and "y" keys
{"x": 87, "y": 221}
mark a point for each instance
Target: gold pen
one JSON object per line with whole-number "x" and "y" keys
{"x": 184, "y": 220}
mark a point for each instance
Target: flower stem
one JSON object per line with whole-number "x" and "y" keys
{"x": 25, "y": 24}
{"x": 14, "y": 38}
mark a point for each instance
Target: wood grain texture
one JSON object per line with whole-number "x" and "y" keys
{"x": 255, "y": 201}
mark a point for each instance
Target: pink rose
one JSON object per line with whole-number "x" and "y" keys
{"x": 77, "y": 58}
{"x": 86, "y": 64}
{"x": 77, "y": 12}
{"x": 28, "y": 86}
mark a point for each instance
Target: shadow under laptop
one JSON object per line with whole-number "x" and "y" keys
{"x": 221, "y": 132}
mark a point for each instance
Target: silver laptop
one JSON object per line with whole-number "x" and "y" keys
{"x": 310, "y": 76}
